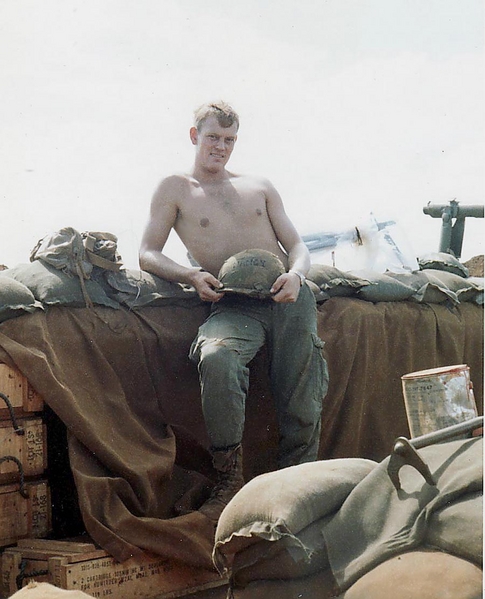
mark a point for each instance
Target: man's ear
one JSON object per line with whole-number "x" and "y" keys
{"x": 194, "y": 135}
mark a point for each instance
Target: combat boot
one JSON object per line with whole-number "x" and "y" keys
{"x": 228, "y": 463}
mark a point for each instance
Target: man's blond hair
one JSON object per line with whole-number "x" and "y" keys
{"x": 224, "y": 113}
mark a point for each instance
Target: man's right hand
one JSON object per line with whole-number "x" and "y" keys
{"x": 205, "y": 284}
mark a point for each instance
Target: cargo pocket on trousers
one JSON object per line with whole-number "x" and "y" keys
{"x": 320, "y": 369}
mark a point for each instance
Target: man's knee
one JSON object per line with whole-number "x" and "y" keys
{"x": 216, "y": 354}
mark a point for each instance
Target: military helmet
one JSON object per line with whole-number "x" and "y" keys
{"x": 251, "y": 273}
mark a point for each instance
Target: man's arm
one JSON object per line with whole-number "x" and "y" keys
{"x": 287, "y": 286}
{"x": 162, "y": 218}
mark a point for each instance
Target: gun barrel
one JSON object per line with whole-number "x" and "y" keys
{"x": 457, "y": 210}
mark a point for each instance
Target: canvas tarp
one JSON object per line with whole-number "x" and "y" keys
{"x": 122, "y": 384}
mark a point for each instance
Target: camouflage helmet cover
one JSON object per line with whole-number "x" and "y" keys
{"x": 251, "y": 273}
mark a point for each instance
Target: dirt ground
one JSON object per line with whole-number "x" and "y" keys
{"x": 475, "y": 266}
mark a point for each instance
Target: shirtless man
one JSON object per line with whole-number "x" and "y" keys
{"x": 217, "y": 214}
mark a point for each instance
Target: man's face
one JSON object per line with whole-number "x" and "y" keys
{"x": 214, "y": 144}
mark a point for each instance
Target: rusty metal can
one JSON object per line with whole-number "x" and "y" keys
{"x": 437, "y": 398}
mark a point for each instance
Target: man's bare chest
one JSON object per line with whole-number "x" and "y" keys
{"x": 219, "y": 205}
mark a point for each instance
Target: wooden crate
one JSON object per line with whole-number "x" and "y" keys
{"x": 29, "y": 559}
{"x": 22, "y": 517}
{"x": 99, "y": 575}
{"x": 21, "y": 394}
{"x": 28, "y": 449}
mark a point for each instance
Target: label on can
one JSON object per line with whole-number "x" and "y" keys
{"x": 437, "y": 398}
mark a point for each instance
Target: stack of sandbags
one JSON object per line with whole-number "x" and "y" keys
{"x": 271, "y": 530}
{"x": 423, "y": 574}
{"x": 441, "y": 278}
{"x": 78, "y": 270}
{"x": 340, "y": 528}
{"x": 60, "y": 273}
{"x": 51, "y": 287}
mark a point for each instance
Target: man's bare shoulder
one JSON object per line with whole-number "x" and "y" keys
{"x": 176, "y": 180}
{"x": 173, "y": 187}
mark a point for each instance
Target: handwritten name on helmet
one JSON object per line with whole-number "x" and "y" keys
{"x": 250, "y": 261}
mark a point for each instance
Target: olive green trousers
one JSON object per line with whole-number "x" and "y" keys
{"x": 236, "y": 329}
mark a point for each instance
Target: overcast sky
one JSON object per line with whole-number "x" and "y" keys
{"x": 348, "y": 106}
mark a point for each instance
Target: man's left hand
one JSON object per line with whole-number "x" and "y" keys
{"x": 286, "y": 288}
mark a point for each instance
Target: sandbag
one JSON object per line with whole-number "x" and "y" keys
{"x": 423, "y": 574}
{"x": 55, "y": 287}
{"x": 443, "y": 261}
{"x": 428, "y": 289}
{"x": 139, "y": 289}
{"x": 15, "y": 298}
{"x": 334, "y": 282}
{"x": 44, "y": 590}
{"x": 465, "y": 289}
{"x": 458, "y": 528}
{"x": 281, "y": 560}
{"x": 383, "y": 288}
{"x": 478, "y": 283}
{"x": 280, "y": 504}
